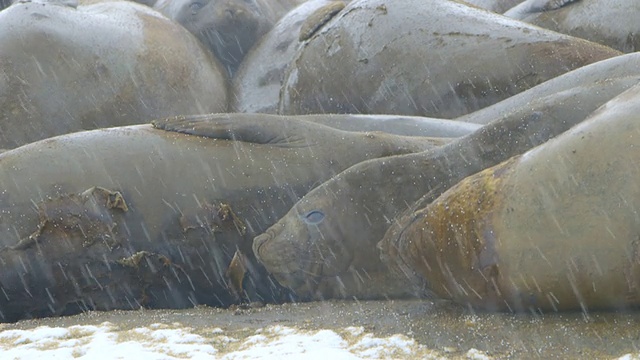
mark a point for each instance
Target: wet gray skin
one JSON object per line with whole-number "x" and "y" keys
{"x": 394, "y": 124}
{"x": 497, "y": 6}
{"x": 116, "y": 63}
{"x": 256, "y": 86}
{"x": 145, "y": 216}
{"x": 611, "y": 23}
{"x": 229, "y": 28}
{"x": 325, "y": 247}
{"x": 571, "y": 96}
{"x": 432, "y": 58}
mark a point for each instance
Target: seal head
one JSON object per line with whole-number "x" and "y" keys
{"x": 229, "y": 28}
{"x": 300, "y": 251}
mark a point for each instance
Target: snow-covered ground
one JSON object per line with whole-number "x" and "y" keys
{"x": 175, "y": 341}
{"x": 329, "y": 330}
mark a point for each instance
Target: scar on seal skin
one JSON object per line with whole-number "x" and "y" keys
{"x": 88, "y": 213}
{"x": 216, "y": 218}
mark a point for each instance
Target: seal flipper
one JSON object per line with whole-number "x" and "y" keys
{"x": 318, "y": 18}
{"x": 254, "y": 128}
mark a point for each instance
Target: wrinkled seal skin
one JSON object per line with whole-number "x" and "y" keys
{"x": 569, "y": 97}
{"x": 65, "y": 69}
{"x": 138, "y": 216}
{"x": 611, "y": 23}
{"x": 256, "y": 86}
{"x": 554, "y": 229}
{"x": 455, "y": 59}
{"x": 229, "y": 28}
{"x": 497, "y": 6}
{"x": 325, "y": 247}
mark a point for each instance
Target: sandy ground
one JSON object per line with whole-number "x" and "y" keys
{"x": 425, "y": 329}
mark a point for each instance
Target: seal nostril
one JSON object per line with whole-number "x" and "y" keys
{"x": 258, "y": 241}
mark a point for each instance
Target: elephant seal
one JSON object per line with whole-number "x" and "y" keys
{"x": 614, "y": 24}
{"x": 448, "y": 68}
{"x": 256, "y": 86}
{"x": 325, "y": 246}
{"x": 568, "y": 97}
{"x": 229, "y": 28}
{"x": 115, "y": 63}
{"x": 496, "y": 6}
{"x": 551, "y": 230}
{"x": 145, "y": 216}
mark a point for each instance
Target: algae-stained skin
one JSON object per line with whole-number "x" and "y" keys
{"x": 140, "y": 216}
{"x": 561, "y": 227}
{"x": 446, "y": 245}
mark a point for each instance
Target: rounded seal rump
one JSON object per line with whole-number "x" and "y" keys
{"x": 554, "y": 229}
{"x": 614, "y": 24}
{"x": 455, "y": 59}
{"x": 115, "y": 63}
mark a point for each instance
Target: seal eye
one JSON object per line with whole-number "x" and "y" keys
{"x": 314, "y": 217}
{"x": 195, "y": 6}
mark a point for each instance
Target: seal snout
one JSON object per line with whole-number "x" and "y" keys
{"x": 260, "y": 240}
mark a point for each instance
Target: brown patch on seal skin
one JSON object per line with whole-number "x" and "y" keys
{"x": 320, "y": 17}
{"x": 87, "y": 214}
{"x": 450, "y": 244}
{"x": 235, "y": 274}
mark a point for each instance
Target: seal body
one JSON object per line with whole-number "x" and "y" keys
{"x": 569, "y": 97}
{"x": 497, "y": 6}
{"x": 611, "y": 23}
{"x": 554, "y": 229}
{"x": 455, "y": 59}
{"x": 229, "y": 28}
{"x": 394, "y": 124}
{"x": 325, "y": 246}
{"x": 256, "y": 86}
{"x": 132, "y": 217}
{"x": 115, "y": 63}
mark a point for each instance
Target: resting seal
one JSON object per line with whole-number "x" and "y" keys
{"x": 568, "y": 97}
{"x": 455, "y": 59}
{"x": 554, "y": 229}
{"x": 256, "y": 86}
{"x": 325, "y": 247}
{"x": 139, "y": 216}
{"x": 229, "y": 28}
{"x": 611, "y": 23}
{"x": 115, "y": 63}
